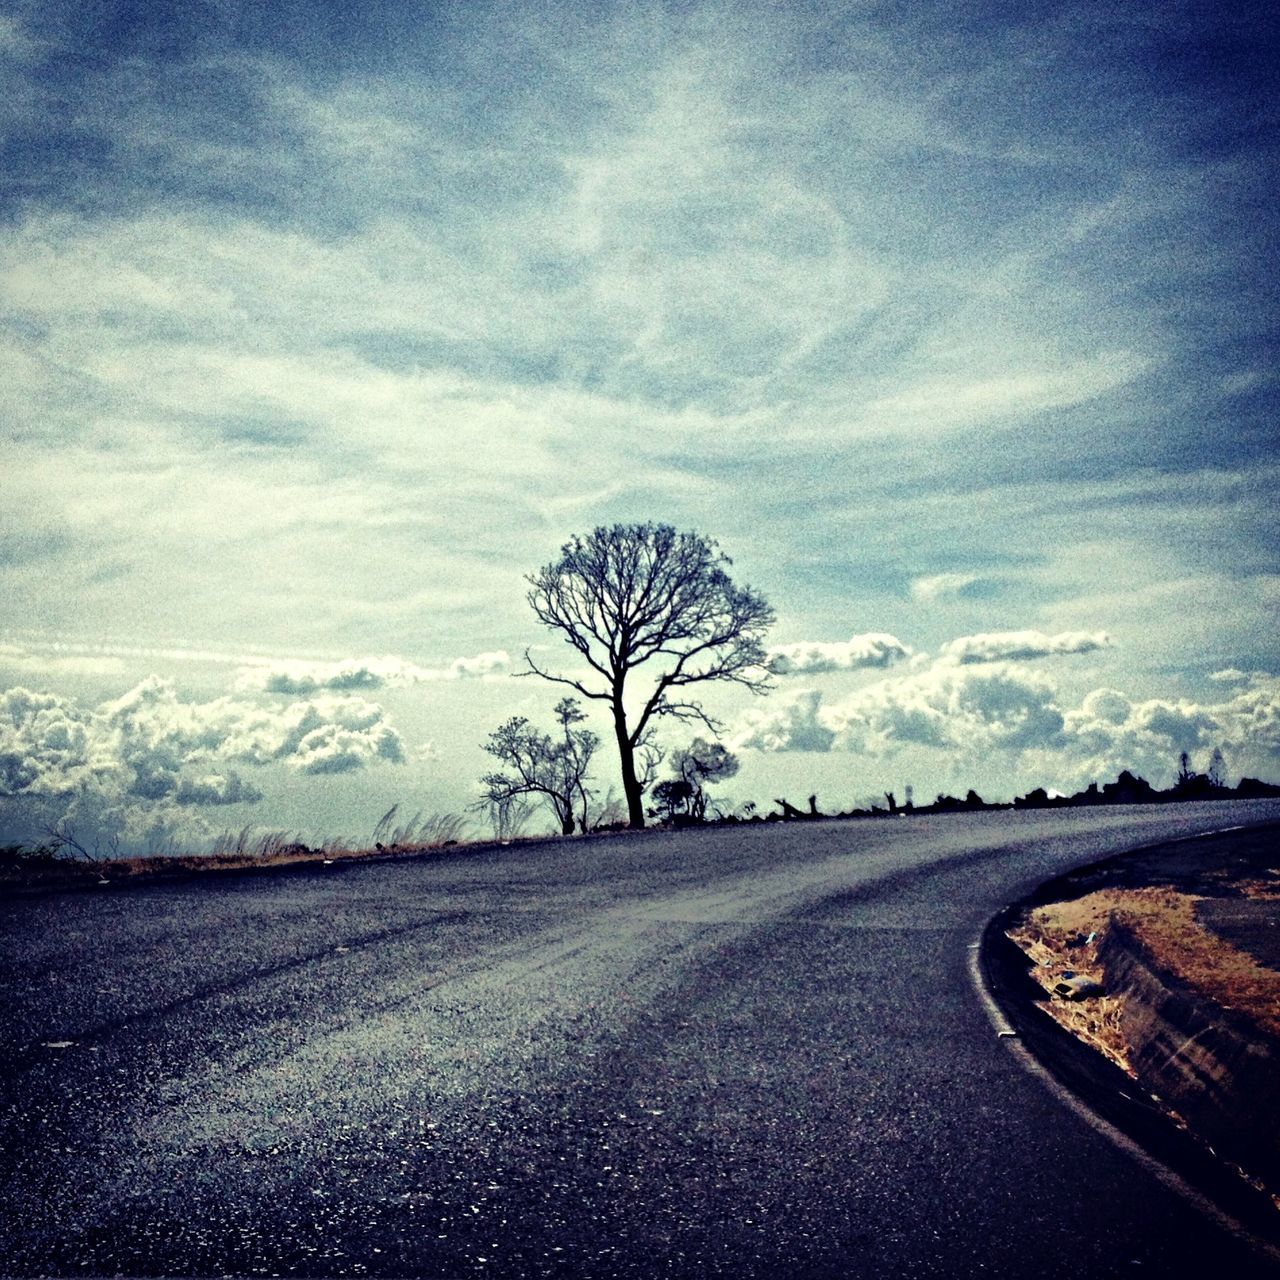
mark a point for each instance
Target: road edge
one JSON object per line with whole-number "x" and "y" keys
{"x": 1095, "y": 1089}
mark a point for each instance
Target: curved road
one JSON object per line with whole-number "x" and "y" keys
{"x": 749, "y": 1051}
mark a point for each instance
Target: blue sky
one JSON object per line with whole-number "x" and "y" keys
{"x": 326, "y": 324}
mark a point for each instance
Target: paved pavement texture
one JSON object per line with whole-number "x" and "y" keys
{"x": 1252, "y": 924}
{"x": 745, "y": 1051}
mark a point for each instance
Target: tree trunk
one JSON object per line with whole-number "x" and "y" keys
{"x": 627, "y": 759}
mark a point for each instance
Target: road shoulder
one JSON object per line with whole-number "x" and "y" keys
{"x": 1107, "y": 1091}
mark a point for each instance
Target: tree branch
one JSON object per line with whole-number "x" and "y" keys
{"x": 535, "y": 670}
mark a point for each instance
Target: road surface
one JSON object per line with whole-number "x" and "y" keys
{"x": 748, "y": 1051}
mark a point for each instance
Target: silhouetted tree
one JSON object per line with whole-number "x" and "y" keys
{"x": 552, "y": 767}
{"x": 628, "y": 596}
{"x": 699, "y": 765}
{"x": 1217, "y": 770}
{"x": 671, "y": 797}
{"x": 1185, "y": 773}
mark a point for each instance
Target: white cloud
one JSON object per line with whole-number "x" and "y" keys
{"x": 19, "y": 660}
{"x": 875, "y": 649}
{"x": 941, "y": 586}
{"x": 1109, "y": 732}
{"x": 1106, "y": 706}
{"x": 1232, "y": 675}
{"x": 45, "y": 743}
{"x": 968, "y": 714}
{"x": 959, "y": 401}
{"x": 1018, "y": 646}
{"x": 792, "y": 722}
{"x": 303, "y": 677}
{"x": 498, "y": 662}
{"x": 151, "y": 748}
{"x": 944, "y": 706}
{"x": 332, "y": 748}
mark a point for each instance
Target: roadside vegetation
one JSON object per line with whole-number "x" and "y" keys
{"x": 1064, "y": 937}
{"x": 62, "y": 860}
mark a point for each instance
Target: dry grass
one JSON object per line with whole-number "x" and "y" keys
{"x": 1165, "y": 921}
{"x": 233, "y": 850}
{"x": 1045, "y": 936}
{"x": 1265, "y": 890}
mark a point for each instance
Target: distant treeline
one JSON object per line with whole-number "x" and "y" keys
{"x": 1129, "y": 789}
{"x": 1126, "y": 789}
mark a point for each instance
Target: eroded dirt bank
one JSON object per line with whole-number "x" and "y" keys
{"x": 1166, "y": 962}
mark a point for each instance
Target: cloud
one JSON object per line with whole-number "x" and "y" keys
{"x": 351, "y": 674}
{"x": 300, "y": 677}
{"x": 1233, "y": 675}
{"x": 216, "y": 789}
{"x": 21, "y": 660}
{"x": 1252, "y": 718}
{"x": 1109, "y": 732}
{"x": 954, "y": 402}
{"x": 790, "y": 723}
{"x": 941, "y": 586}
{"x": 969, "y": 713}
{"x": 944, "y": 706}
{"x": 151, "y": 748}
{"x": 875, "y": 649}
{"x": 46, "y": 743}
{"x": 331, "y": 748}
{"x": 1018, "y": 646}
{"x": 483, "y": 664}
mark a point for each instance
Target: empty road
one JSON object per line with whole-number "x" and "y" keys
{"x": 743, "y": 1052}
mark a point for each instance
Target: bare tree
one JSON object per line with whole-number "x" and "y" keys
{"x": 552, "y": 767}
{"x": 630, "y": 595}
{"x": 63, "y": 839}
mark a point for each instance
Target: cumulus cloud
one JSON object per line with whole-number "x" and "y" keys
{"x": 944, "y": 706}
{"x": 151, "y": 748}
{"x": 793, "y": 723}
{"x": 350, "y": 674}
{"x": 875, "y": 649}
{"x": 970, "y": 711}
{"x": 1019, "y": 646}
{"x": 1252, "y": 717}
{"x": 45, "y": 743}
{"x": 1112, "y": 732}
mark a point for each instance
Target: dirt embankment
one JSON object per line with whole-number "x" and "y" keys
{"x": 1140, "y": 960}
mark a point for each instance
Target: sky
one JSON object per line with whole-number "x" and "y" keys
{"x": 325, "y": 324}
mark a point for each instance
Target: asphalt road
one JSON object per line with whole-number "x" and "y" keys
{"x": 751, "y": 1051}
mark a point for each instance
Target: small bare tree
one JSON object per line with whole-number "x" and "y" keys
{"x": 550, "y": 767}
{"x": 631, "y": 595}
{"x": 63, "y": 839}
{"x": 699, "y": 765}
